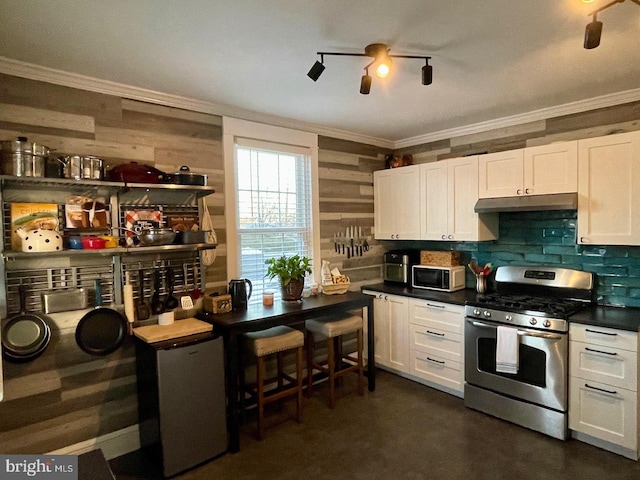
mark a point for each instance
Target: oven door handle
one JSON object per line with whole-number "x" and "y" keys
{"x": 548, "y": 336}
{"x": 521, "y": 333}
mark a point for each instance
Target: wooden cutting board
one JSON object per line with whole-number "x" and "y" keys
{"x": 179, "y": 328}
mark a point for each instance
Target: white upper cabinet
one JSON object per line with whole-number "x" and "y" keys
{"x": 551, "y": 168}
{"x": 609, "y": 190}
{"x": 397, "y": 203}
{"x": 449, "y": 194}
{"x": 546, "y": 169}
{"x": 434, "y": 200}
{"x": 501, "y": 174}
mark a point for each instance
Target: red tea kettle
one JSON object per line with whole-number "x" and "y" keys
{"x": 238, "y": 292}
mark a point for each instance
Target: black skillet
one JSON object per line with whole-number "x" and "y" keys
{"x": 26, "y": 335}
{"x": 102, "y": 330}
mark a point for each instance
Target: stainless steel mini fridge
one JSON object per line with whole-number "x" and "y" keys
{"x": 182, "y": 403}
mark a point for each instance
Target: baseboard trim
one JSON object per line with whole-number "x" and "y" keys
{"x": 112, "y": 444}
{"x": 611, "y": 447}
{"x": 426, "y": 383}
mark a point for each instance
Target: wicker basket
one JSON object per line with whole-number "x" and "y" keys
{"x": 335, "y": 288}
{"x": 440, "y": 259}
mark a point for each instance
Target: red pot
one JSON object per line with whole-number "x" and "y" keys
{"x": 134, "y": 172}
{"x": 93, "y": 243}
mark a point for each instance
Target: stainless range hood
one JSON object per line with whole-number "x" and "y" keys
{"x": 528, "y": 203}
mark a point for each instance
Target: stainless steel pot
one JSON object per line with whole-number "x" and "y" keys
{"x": 23, "y": 158}
{"x": 157, "y": 236}
{"x": 79, "y": 167}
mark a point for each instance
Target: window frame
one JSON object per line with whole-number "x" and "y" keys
{"x": 240, "y": 130}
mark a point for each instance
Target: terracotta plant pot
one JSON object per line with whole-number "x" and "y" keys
{"x": 293, "y": 290}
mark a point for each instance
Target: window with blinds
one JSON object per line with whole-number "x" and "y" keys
{"x": 274, "y": 209}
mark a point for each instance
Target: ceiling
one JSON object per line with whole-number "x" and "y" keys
{"x": 491, "y": 59}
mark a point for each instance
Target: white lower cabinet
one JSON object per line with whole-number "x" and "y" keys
{"x": 421, "y": 340}
{"x": 602, "y": 411}
{"x": 603, "y": 393}
{"x": 437, "y": 344}
{"x": 391, "y": 332}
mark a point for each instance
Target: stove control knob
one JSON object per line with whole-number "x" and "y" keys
{"x": 508, "y": 317}
{"x": 486, "y": 313}
{"x": 476, "y": 311}
{"x": 533, "y": 321}
{"x": 546, "y": 323}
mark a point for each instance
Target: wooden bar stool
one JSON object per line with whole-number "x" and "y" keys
{"x": 337, "y": 363}
{"x": 279, "y": 341}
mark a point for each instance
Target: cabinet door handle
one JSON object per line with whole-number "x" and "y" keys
{"x": 601, "y": 333}
{"x": 450, "y": 237}
{"x": 518, "y": 192}
{"x": 527, "y": 191}
{"x": 444, "y": 237}
{"x": 600, "y": 351}
{"x": 610, "y": 392}
{"x": 434, "y": 306}
{"x": 584, "y": 240}
{"x": 433, "y": 360}
{"x": 435, "y": 333}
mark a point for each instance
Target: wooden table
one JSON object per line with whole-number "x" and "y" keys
{"x": 259, "y": 317}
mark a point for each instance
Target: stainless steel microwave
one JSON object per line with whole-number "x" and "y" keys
{"x": 445, "y": 279}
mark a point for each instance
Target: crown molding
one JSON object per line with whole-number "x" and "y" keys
{"x": 36, "y": 72}
{"x": 580, "y": 106}
{"x": 59, "y": 77}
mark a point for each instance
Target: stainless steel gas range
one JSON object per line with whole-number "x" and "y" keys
{"x": 516, "y": 345}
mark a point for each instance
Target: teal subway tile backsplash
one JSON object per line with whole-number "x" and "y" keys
{"x": 549, "y": 238}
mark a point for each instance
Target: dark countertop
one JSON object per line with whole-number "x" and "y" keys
{"x": 457, "y": 298}
{"x": 622, "y": 318}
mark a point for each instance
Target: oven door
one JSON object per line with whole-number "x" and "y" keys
{"x": 542, "y": 369}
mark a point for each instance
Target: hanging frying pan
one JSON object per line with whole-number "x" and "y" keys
{"x": 26, "y": 335}
{"x": 102, "y": 330}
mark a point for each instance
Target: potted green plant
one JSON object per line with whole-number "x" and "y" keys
{"x": 291, "y": 272}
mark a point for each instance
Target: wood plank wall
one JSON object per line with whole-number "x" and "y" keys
{"x": 592, "y": 123}
{"x": 346, "y": 200}
{"x": 66, "y": 396}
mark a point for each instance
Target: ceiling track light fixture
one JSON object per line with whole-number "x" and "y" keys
{"x": 593, "y": 30}
{"x": 381, "y": 63}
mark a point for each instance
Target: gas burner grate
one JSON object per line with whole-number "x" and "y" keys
{"x": 531, "y": 304}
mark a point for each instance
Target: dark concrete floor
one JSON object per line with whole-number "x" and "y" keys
{"x": 403, "y": 430}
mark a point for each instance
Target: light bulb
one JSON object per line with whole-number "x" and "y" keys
{"x": 382, "y": 70}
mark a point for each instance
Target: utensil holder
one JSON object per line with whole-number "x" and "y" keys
{"x": 481, "y": 283}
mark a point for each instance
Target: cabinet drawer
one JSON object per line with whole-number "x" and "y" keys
{"x": 445, "y": 344}
{"x": 604, "y": 364}
{"x": 437, "y": 369}
{"x": 438, "y": 315}
{"x": 604, "y": 336}
{"x": 605, "y": 412}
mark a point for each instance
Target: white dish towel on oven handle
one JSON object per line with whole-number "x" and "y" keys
{"x": 207, "y": 257}
{"x": 507, "y": 344}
